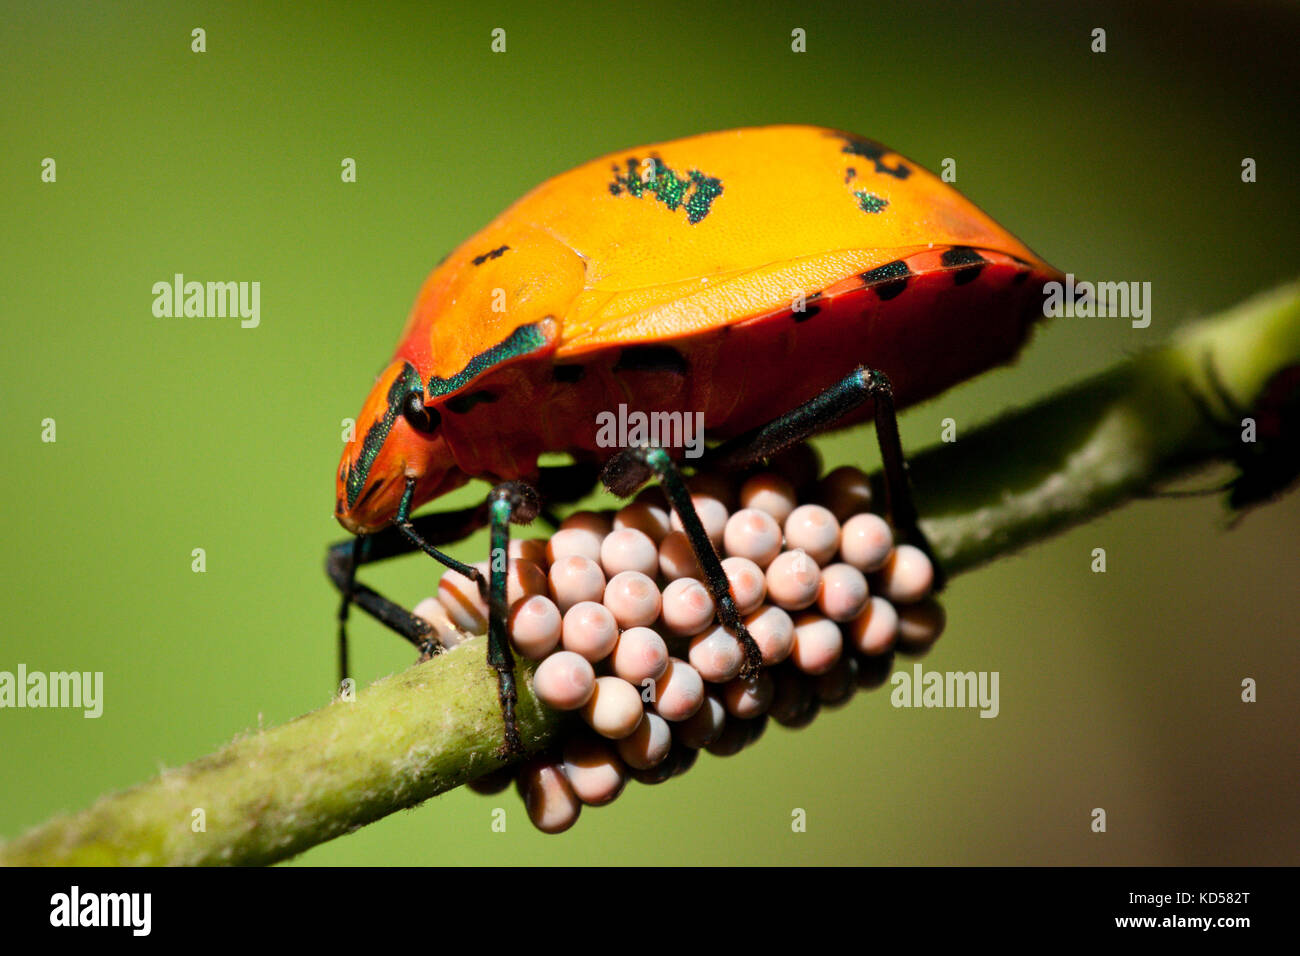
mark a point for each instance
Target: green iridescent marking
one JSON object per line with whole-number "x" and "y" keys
{"x": 870, "y": 202}
{"x": 525, "y": 339}
{"x": 707, "y": 189}
{"x": 403, "y": 385}
{"x": 695, "y": 192}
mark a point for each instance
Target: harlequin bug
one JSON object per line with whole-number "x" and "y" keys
{"x": 780, "y": 280}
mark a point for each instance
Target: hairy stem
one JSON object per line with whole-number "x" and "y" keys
{"x": 274, "y": 793}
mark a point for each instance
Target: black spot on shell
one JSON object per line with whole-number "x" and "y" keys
{"x": 969, "y": 263}
{"x": 806, "y": 314}
{"x": 651, "y": 358}
{"x": 870, "y": 149}
{"x": 888, "y": 281}
{"x": 490, "y": 254}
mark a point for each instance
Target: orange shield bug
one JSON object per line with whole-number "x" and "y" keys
{"x": 774, "y": 281}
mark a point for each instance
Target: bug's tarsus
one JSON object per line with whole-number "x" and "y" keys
{"x": 626, "y": 471}
{"x": 525, "y": 503}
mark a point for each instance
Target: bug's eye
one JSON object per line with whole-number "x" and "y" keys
{"x": 418, "y": 415}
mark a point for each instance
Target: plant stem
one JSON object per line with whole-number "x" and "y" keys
{"x": 272, "y": 794}
{"x": 1075, "y": 455}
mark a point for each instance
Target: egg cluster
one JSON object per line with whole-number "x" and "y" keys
{"x": 613, "y": 607}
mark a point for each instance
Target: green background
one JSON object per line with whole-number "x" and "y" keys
{"x": 1118, "y": 691}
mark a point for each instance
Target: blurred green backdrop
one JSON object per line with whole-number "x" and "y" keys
{"x": 1118, "y": 691}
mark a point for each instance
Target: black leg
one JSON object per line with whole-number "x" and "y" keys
{"x": 563, "y": 483}
{"x": 344, "y": 558}
{"x": 347, "y": 587}
{"x": 403, "y": 524}
{"x": 630, "y": 469}
{"x": 823, "y": 411}
{"x": 507, "y": 502}
{"x": 511, "y": 501}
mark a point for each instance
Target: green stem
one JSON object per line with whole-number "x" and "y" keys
{"x": 277, "y": 792}
{"x": 1077, "y": 454}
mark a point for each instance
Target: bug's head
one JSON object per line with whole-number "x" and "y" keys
{"x": 397, "y": 438}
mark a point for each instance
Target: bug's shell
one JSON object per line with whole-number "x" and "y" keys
{"x": 677, "y": 286}
{"x": 615, "y": 269}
